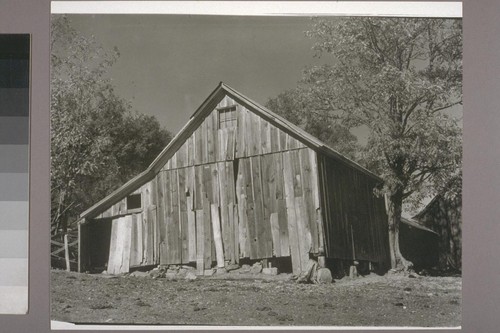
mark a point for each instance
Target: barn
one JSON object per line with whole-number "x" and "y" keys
{"x": 418, "y": 244}
{"x": 443, "y": 214}
{"x": 238, "y": 183}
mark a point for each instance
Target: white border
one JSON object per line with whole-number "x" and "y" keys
{"x": 262, "y": 8}
{"x": 61, "y": 325}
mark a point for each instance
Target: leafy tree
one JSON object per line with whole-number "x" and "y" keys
{"x": 298, "y": 107}
{"x": 398, "y": 78}
{"x": 97, "y": 143}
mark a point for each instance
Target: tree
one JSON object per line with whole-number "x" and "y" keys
{"x": 97, "y": 143}
{"x": 297, "y": 106}
{"x": 398, "y": 78}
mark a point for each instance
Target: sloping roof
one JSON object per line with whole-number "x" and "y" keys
{"x": 426, "y": 208}
{"x": 415, "y": 224}
{"x": 205, "y": 108}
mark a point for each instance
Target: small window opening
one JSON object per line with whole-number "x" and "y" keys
{"x": 228, "y": 117}
{"x": 134, "y": 201}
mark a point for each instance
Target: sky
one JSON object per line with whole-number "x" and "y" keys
{"x": 169, "y": 64}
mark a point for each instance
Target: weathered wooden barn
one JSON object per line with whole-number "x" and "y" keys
{"x": 418, "y": 244}
{"x": 238, "y": 182}
{"x": 443, "y": 214}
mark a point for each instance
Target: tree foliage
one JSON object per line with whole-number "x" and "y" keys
{"x": 97, "y": 142}
{"x": 398, "y": 78}
{"x": 297, "y": 106}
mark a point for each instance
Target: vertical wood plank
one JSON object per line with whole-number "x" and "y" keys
{"x": 257, "y": 123}
{"x": 290, "y": 210}
{"x": 265, "y": 135}
{"x": 182, "y": 189}
{"x": 171, "y": 221}
{"x": 127, "y": 230}
{"x": 113, "y": 247}
{"x": 191, "y": 230}
{"x": 292, "y": 142}
{"x": 232, "y": 212}
{"x": 133, "y": 242}
{"x": 198, "y": 188}
{"x": 219, "y": 142}
{"x": 233, "y": 217}
{"x": 310, "y": 211}
{"x": 260, "y": 227}
{"x": 146, "y": 234}
{"x": 250, "y": 211}
{"x": 304, "y": 233}
{"x": 173, "y": 160}
{"x": 198, "y": 146}
{"x": 207, "y": 182}
{"x": 223, "y": 204}
{"x": 215, "y": 197}
{"x": 283, "y": 140}
{"x": 231, "y": 144}
{"x": 250, "y": 134}
{"x": 115, "y": 254}
{"x": 184, "y": 239}
{"x": 181, "y": 156}
{"x": 217, "y": 236}
{"x": 200, "y": 241}
{"x": 175, "y": 216}
{"x": 296, "y": 172}
{"x": 283, "y": 228}
{"x": 162, "y": 215}
{"x": 242, "y": 210}
{"x": 241, "y": 130}
{"x": 275, "y": 231}
{"x": 190, "y": 150}
{"x": 204, "y": 141}
{"x": 207, "y": 247}
{"x": 211, "y": 132}
{"x": 267, "y": 183}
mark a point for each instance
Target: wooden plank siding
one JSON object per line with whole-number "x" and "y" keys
{"x": 355, "y": 221}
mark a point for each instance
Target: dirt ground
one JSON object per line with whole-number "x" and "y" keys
{"x": 254, "y": 300}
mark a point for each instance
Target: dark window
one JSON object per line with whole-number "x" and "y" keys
{"x": 228, "y": 117}
{"x": 134, "y": 201}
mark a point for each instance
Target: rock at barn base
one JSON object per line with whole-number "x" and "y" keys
{"x": 324, "y": 276}
{"x": 256, "y": 268}
{"x": 270, "y": 271}
{"x": 139, "y": 274}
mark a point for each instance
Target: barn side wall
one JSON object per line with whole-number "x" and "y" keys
{"x": 355, "y": 224}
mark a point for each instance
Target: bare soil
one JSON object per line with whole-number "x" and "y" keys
{"x": 254, "y": 300}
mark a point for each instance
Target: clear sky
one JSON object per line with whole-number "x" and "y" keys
{"x": 169, "y": 64}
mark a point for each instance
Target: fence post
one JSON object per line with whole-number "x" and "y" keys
{"x": 66, "y": 252}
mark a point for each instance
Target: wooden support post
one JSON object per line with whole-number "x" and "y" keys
{"x": 353, "y": 270}
{"x": 265, "y": 263}
{"x": 321, "y": 257}
{"x": 66, "y": 252}
{"x": 79, "y": 224}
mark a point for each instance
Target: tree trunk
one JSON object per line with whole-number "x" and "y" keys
{"x": 395, "y": 208}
